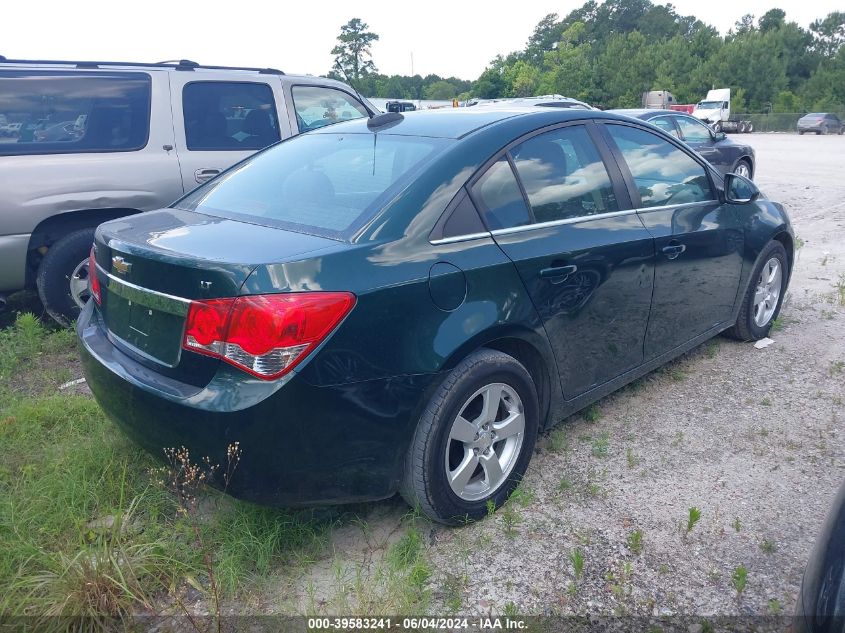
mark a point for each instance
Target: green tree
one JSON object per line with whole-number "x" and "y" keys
{"x": 440, "y": 91}
{"x": 352, "y": 53}
{"x": 829, "y": 33}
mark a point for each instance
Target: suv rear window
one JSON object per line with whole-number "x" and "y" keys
{"x": 56, "y": 112}
{"x": 324, "y": 184}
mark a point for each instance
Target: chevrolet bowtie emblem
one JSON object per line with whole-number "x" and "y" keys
{"x": 120, "y": 265}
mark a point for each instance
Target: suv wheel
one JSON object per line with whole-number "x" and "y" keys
{"x": 63, "y": 276}
{"x": 474, "y": 439}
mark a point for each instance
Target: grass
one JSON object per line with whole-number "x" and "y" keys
{"x": 635, "y": 542}
{"x": 739, "y": 579}
{"x": 601, "y": 445}
{"x": 693, "y": 518}
{"x": 576, "y": 557}
{"x": 86, "y": 526}
{"x": 558, "y": 442}
{"x": 592, "y": 413}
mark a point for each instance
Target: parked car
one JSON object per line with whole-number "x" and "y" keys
{"x": 103, "y": 140}
{"x": 58, "y": 132}
{"x": 10, "y": 129}
{"x": 821, "y": 123}
{"x": 403, "y": 303}
{"x": 543, "y": 101}
{"x": 725, "y": 154}
{"x": 399, "y": 106}
{"x": 821, "y": 601}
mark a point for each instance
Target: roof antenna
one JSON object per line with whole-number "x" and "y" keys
{"x": 375, "y": 121}
{"x": 351, "y": 85}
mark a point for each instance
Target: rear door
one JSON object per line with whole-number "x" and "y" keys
{"x": 698, "y": 240}
{"x": 219, "y": 122}
{"x": 556, "y": 206}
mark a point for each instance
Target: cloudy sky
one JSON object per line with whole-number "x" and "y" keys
{"x": 448, "y": 38}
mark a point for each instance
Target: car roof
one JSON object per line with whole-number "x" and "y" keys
{"x": 643, "y": 113}
{"x": 182, "y": 65}
{"x": 459, "y": 122}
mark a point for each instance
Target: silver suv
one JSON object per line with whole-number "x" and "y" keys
{"x": 86, "y": 142}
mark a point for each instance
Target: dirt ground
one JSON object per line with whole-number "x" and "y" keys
{"x": 753, "y": 438}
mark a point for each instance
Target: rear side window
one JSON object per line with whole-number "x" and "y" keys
{"x": 55, "y": 112}
{"x": 499, "y": 197}
{"x": 563, "y": 175}
{"x": 324, "y": 184}
{"x": 229, "y": 115}
{"x": 318, "y": 106}
{"x": 663, "y": 173}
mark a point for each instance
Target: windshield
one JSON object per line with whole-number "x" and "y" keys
{"x": 710, "y": 105}
{"x": 323, "y": 184}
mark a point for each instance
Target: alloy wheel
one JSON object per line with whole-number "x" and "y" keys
{"x": 768, "y": 292}
{"x": 79, "y": 284}
{"x": 742, "y": 170}
{"x": 485, "y": 441}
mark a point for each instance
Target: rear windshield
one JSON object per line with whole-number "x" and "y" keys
{"x": 59, "y": 112}
{"x": 324, "y": 184}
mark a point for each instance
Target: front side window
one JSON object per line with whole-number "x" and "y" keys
{"x": 324, "y": 184}
{"x": 563, "y": 175}
{"x": 692, "y": 130}
{"x": 229, "y": 115}
{"x": 663, "y": 173}
{"x": 499, "y": 197}
{"x": 665, "y": 123}
{"x": 59, "y": 112}
{"x": 317, "y": 106}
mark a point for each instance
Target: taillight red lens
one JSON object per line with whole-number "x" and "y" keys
{"x": 265, "y": 335}
{"x": 93, "y": 279}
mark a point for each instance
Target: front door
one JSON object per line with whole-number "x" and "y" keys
{"x": 702, "y": 139}
{"x": 698, "y": 240}
{"x": 583, "y": 254}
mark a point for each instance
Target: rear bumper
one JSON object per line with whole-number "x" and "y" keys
{"x": 301, "y": 444}
{"x": 13, "y": 261}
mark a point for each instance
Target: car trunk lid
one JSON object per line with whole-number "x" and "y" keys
{"x": 152, "y": 265}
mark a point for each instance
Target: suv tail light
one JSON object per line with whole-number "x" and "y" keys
{"x": 265, "y": 335}
{"x": 93, "y": 279}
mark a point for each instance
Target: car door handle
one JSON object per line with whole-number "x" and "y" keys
{"x": 557, "y": 274}
{"x": 673, "y": 250}
{"x": 206, "y": 173}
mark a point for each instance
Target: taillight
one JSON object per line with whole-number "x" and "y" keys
{"x": 265, "y": 335}
{"x": 93, "y": 279}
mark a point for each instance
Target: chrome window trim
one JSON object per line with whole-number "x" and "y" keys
{"x": 664, "y": 207}
{"x": 565, "y": 221}
{"x": 552, "y": 223}
{"x": 460, "y": 238}
{"x": 170, "y": 304}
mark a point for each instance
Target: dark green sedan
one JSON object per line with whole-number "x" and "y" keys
{"x": 401, "y": 304}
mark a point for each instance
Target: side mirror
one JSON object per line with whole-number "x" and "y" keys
{"x": 719, "y": 136}
{"x": 740, "y": 190}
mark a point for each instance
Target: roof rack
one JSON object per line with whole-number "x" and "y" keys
{"x": 181, "y": 64}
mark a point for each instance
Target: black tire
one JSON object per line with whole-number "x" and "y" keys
{"x": 800, "y": 133}
{"x": 717, "y": 126}
{"x": 823, "y": 130}
{"x": 745, "y": 328}
{"x": 424, "y": 484}
{"x": 55, "y": 271}
{"x": 842, "y": 130}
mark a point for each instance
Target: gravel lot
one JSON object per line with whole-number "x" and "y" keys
{"x": 751, "y": 437}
